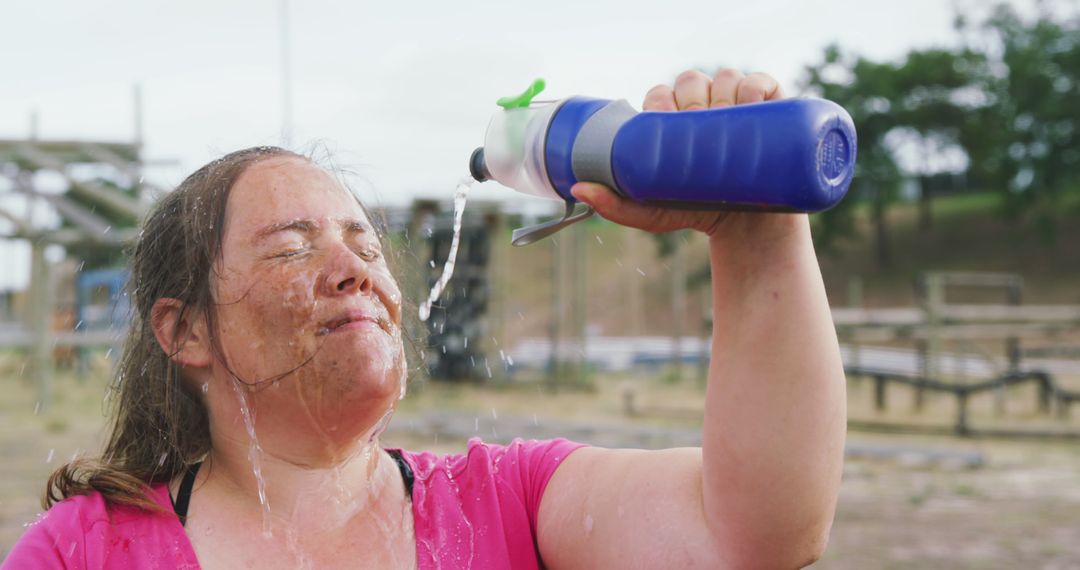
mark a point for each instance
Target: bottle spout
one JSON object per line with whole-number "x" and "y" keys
{"x": 477, "y": 167}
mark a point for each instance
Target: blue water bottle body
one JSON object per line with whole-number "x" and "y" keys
{"x": 794, "y": 155}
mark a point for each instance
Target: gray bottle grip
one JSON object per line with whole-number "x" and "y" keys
{"x": 591, "y": 156}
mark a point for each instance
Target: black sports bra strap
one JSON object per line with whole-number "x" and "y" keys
{"x": 183, "y": 495}
{"x": 406, "y": 471}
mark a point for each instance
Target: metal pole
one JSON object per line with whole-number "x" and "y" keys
{"x": 40, "y": 318}
{"x": 933, "y": 302}
{"x": 678, "y": 303}
{"x": 855, "y": 301}
{"x": 579, "y": 318}
{"x": 137, "y": 97}
{"x": 33, "y": 125}
{"x": 138, "y": 172}
{"x": 286, "y": 77}
{"x": 556, "y": 314}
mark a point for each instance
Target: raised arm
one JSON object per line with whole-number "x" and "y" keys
{"x": 762, "y": 490}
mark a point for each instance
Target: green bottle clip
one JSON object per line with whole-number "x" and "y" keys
{"x": 522, "y": 100}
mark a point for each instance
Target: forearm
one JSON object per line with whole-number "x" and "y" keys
{"x": 775, "y": 413}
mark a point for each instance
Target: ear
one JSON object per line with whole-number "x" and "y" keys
{"x": 185, "y": 339}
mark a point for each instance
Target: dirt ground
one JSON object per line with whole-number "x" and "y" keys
{"x": 907, "y": 501}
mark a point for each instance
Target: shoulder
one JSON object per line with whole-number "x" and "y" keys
{"x": 513, "y": 474}
{"x": 57, "y": 538}
{"x": 78, "y": 531}
{"x": 480, "y": 457}
{"x": 481, "y": 505}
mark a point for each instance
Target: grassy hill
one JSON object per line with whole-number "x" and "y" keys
{"x": 968, "y": 233}
{"x": 628, "y": 286}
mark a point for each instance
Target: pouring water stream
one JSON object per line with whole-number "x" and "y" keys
{"x": 461, "y": 194}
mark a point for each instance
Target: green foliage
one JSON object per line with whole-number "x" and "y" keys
{"x": 1027, "y": 141}
{"x": 1007, "y": 97}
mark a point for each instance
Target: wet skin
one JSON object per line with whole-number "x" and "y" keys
{"x": 308, "y": 327}
{"x": 309, "y": 315}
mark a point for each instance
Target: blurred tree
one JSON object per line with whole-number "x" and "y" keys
{"x": 867, "y": 90}
{"x": 1025, "y": 143}
{"x": 938, "y": 90}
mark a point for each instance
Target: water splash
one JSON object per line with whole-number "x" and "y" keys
{"x": 292, "y": 544}
{"x": 461, "y": 194}
{"x": 255, "y": 454}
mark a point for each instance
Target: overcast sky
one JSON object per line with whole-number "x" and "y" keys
{"x": 403, "y": 91}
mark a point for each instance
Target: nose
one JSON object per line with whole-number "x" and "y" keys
{"x": 347, "y": 274}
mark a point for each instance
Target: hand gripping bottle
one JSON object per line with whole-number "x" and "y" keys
{"x": 792, "y": 155}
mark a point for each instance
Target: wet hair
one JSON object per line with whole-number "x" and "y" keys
{"x": 159, "y": 424}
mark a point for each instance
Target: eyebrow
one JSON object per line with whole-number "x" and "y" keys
{"x": 308, "y": 227}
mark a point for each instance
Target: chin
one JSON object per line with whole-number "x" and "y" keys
{"x": 363, "y": 377}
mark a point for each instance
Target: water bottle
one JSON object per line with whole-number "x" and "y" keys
{"x": 791, "y": 155}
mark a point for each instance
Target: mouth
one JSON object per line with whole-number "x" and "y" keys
{"x": 354, "y": 320}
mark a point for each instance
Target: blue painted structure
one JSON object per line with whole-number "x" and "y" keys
{"x": 100, "y": 301}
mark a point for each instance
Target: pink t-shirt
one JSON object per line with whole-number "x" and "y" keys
{"x": 476, "y": 510}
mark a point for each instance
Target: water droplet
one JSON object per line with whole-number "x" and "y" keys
{"x": 494, "y": 415}
{"x": 598, "y": 240}
{"x": 588, "y": 524}
{"x": 640, "y": 271}
{"x": 49, "y": 458}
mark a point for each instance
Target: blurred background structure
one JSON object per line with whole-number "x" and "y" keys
{"x": 952, "y": 268}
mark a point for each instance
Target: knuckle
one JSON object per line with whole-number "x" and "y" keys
{"x": 728, "y": 74}
{"x": 766, "y": 83}
{"x": 750, "y": 91}
{"x": 658, "y": 90}
{"x": 659, "y": 97}
{"x": 691, "y": 76}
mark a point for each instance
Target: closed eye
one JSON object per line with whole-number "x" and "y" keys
{"x": 290, "y": 253}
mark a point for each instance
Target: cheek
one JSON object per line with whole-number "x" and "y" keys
{"x": 283, "y": 297}
{"x": 268, "y": 311}
{"x": 391, "y": 297}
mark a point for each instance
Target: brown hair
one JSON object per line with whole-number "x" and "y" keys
{"x": 159, "y": 425}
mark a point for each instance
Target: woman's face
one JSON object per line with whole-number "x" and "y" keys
{"x": 308, "y": 313}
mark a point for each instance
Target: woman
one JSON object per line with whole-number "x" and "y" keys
{"x": 267, "y": 357}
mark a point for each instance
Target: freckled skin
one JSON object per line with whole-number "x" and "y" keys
{"x": 275, "y": 294}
